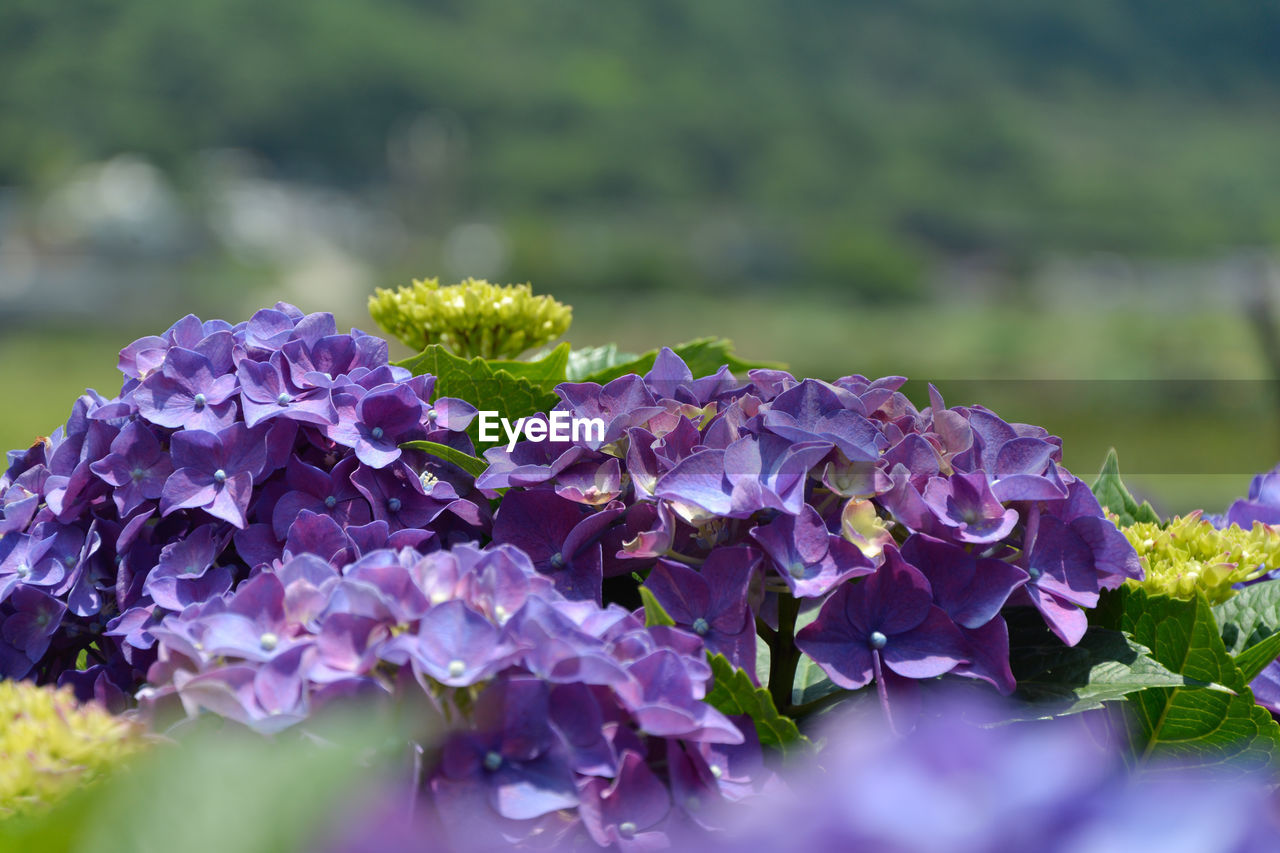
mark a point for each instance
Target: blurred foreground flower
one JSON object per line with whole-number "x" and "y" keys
{"x": 50, "y": 745}
{"x": 958, "y": 786}
{"x": 472, "y": 318}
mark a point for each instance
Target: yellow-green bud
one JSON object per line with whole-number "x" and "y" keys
{"x": 51, "y": 745}
{"x": 1190, "y": 554}
{"x": 471, "y": 318}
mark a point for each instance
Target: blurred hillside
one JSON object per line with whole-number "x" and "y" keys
{"x": 853, "y": 144}
{"x": 956, "y": 190}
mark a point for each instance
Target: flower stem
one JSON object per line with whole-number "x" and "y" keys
{"x": 683, "y": 558}
{"x": 784, "y": 656}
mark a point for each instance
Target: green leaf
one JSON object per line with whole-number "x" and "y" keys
{"x": 284, "y": 787}
{"x": 703, "y": 355}
{"x": 1258, "y": 657}
{"x": 473, "y": 466}
{"x": 654, "y": 613}
{"x": 811, "y": 683}
{"x": 477, "y": 382}
{"x": 734, "y": 693}
{"x": 545, "y": 373}
{"x": 1055, "y": 679}
{"x": 1249, "y": 616}
{"x": 1110, "y": 491}
{"x": 1195, "y": 726}
{"x": 588, "y": 360}
{"x": 1250, "y": 625}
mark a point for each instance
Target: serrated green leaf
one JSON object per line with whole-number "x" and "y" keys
{"x": 654, "y": 612}
{"x": 1258, "y": 657}
{"x": 1056, "y": 680}
{"x": 1250, "y": 616}
{"x": 473, "y": 466}
{"x": 1195, "y": 726}
{"x": 704, "y": 356}
{"x": 1110, "y": 491}
{"x": 477, "y": 382}
{"x": 734, "y": 693}
{"x": 545, "y": 373}
{"x": 588, "y": 360}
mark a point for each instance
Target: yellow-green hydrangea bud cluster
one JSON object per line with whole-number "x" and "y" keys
{"x": 50, "y": 744}
{"x": 471, "y": 318}
{"x": 1190, "y": 554}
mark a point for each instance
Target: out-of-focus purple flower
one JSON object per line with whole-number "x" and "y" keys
{"x": 513, "y": 753}
{"x": 626, "y": 811}
{"x": 958, "y": 786}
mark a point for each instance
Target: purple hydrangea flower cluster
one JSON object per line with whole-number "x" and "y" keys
{"x": 577, "y": 718}
{"x": 909, "y": 530}
{"x": 241, "y": 531}
{"x": 1262, "y": 503}
{"x": 228, "y": 448}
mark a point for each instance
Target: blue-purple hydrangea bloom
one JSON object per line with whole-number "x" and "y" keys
{"x": 241, "y": 531}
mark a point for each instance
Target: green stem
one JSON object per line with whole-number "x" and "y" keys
{"x": 784, "y": 656}
{"x": 798, "y": 712}
{"x": 682, "y": 558}
{"x": 827, "y": 502}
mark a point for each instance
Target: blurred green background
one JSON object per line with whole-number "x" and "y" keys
{"x": 1068, "y": 212}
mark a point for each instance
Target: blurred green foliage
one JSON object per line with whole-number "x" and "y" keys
{"x": 221, "y": 789}
{"x": 788, "y": 175}
{"x": 826, "y": 142}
